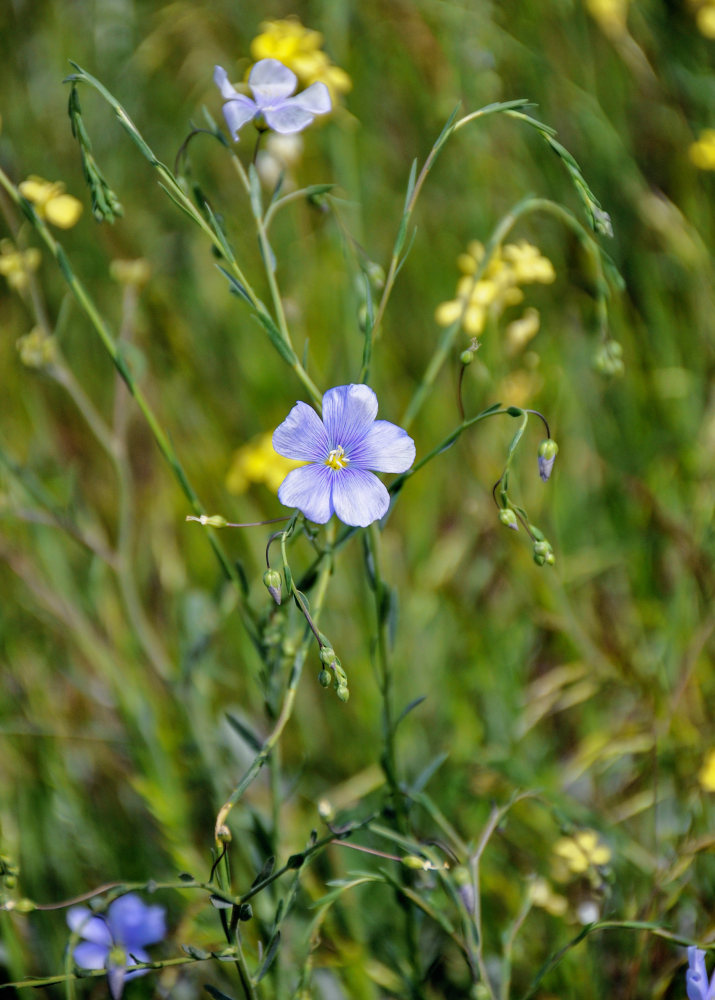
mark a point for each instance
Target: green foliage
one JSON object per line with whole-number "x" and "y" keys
{"x": 150, "y": 677}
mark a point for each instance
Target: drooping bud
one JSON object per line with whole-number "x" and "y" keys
{"x": 327, "y": 655}
{"x": 543, "y": 553}
{"x": 342, "y": 692}
{"x": 548, "y": 450}
{"x": 272, "y": 582}
{"x": 212, "y": 521}
{"x": 324, "y": 678}
{"x": 466, "y": 357}
{"x": 508, "y": 518}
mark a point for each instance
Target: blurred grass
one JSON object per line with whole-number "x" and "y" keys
{"x": 593, "y": 682}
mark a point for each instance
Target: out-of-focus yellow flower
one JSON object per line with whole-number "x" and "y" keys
{"x": 520, "y": 386}
{"x": 513, "y": 265}
{"x": 707, "y": 772}
{"x": 257, "y": 462}
{"x": 582, "y": 851}
{"x": 131, "y": 272}
{"x": 17, "y": 265}
{"x": 520, "y": 331}
{"x": 51, "y": 202}
{"x": 541, "y": 894}
{"x": 705, "y": 19}
{"x": 299, "y": 48}
{"x": 610, "y": 15}
{"x": 702, "y": 152}
{"x": 37, "y": 349}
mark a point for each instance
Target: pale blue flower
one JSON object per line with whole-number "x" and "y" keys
{"x": 117, "y": 938}
{"x": 341, "y": 449}
{"x": 696, "y": 978}
{"x": 272, "y": 84}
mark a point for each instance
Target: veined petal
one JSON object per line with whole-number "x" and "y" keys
{"x": 287, "y": 117}
{"x": 133, "y": 923}
{"x": 92, "y": 928}
{"x": 315, "y": 98}
{"x": 271, "y": 81}
{"x": 385, "y": 448}
{"x": 116, "y": 974}
{"x": 348, "y": 413}
{"x": 310, "y": 490}
{"x": 302, "y": 436}
{"x": 359, "y": 498}
{"x": 237, "y": 112}
{"x": 221, "y": 80}
{"x": 90, "y": 955}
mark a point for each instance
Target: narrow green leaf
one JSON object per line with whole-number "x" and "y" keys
{"x": 216, "y": 993}
{"x": 270, "y": 956}
{"x": 246, "y": 734}
{"x": 265, "y": 872}
{"x": 274, "y": 335}
{"x": 423, "y": 778}
{"x": 408, "y": 708}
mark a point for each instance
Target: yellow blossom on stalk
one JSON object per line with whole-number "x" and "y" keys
{"x": 513, "y": 265}
{"x": 541, "y": 894}
{"x": 17, "y": 265}
{"x": 702, "y": 152}
{"x": 37, "y": 349}
{"x": 257, "y": 462}
{"x": 51, "y": 202}
{"x": 520, "y": 386}
{"x": 707, "y": 772}
{"x": 520, "y": 331}
{"x": 610, "y": 15}
{"x": 582, "y": 851}
{"x": 299, "y": 48}
{"x": 705, "y": 19}
{"x": 131, "y": 272}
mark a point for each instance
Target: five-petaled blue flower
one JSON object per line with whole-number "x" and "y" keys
{"x": 341, "y": 449}
{"x": 696, "y": 978}
{"x": 272, "y": 84}
{"x": 114, "y": 940}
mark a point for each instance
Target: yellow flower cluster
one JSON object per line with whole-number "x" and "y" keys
{"x": 707, "y": 772}
{"x": 582, "y": 852}
{"x": 513, "y": 265}
{"x": 541, "y": 894}
{"x": 257, "y": 462}
{"x": 299, "y": 48}
{"x": 702, "y": 152}
{"x": 17, "y": 265}
{"x": 37, "y": 349}
{"x": 705, "y": 16}
{"x": 51, "y": 202}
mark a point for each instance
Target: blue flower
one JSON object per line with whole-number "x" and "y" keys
{"x": 116, "y": 939}
{"x": 271, "y": 83}
{"x": 340, "y": 450}
{"x": 696, "y": 978}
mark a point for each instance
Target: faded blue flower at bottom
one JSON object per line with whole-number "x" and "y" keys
{"x": 116, "y": 939}
{"x": 696, "y": 977}
{"x": 272, "y": 106}
{"x": 341, "y": 450}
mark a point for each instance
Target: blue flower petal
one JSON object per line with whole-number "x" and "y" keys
{"x": 315, "y": 98}
{"x": 348, "y": 413}
{"x": 386, "y": 448}
{"x": 90, "y": 955}
{"x": 302, "y": 436}
{"x": 116, "y": 975}
{"x": 359, "y": 497}
{"x": 271, "y": 82}
{"x": 310, "y": 489}
{"x": 696, "y": 978}
{"x": 237, "y": 113}
{"x": 228, "y": 92}
{"x": 287, "y": 118}
{"x": 134, "y": 956}
{"x": 88, "y": 925}
{"x": 133, "y": 923}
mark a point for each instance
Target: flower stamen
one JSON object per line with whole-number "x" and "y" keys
{"x": 336, "y": 459}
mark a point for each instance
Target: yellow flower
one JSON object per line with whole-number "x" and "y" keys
{"x": 702, "y": 152}
{"x": 257, "y": 462}
{"x": 131, "y": 272}
{"x": 705, "y": 20}
{"x": 37, "y": 349}
{"x": 299, "y": 48}
{"x": 51, "y": 202}
{"x": 610, "y": 15}
{"x": 17, "y": 265}
{"x": 541, "y": 894}
{"x": 707, "y": 772}
{"x": 520, "y": 331}
{"x": 520, "y": 387}
{"x": 582, "y": 851}
{"x": 528, "y": 263}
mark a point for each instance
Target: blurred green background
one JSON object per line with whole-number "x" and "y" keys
{"x": 591, "y": 681}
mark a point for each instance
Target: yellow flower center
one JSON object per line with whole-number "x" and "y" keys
{"x": 336, "y": 459}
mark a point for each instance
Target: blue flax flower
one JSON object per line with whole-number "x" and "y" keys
{"x": 272, "y": 106}
{"x": 340, "y": 450}
{"x": 114, "y": 940}
{"x": 696, "y": 978}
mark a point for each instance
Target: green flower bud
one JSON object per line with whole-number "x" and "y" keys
{"x": 412, "y": 861}
{"x": 324, "y": 678}
{"x": 272, "y": 582}
{"x": 508, "y": 518}
{"x": 327, "y": 655}
{"x": 214, "y": 521}
{"x": 342, "y": 692}
{"x": 543, "y": 553}
{"x": 466, "y": 357}
{"x": 548, "y": 450}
